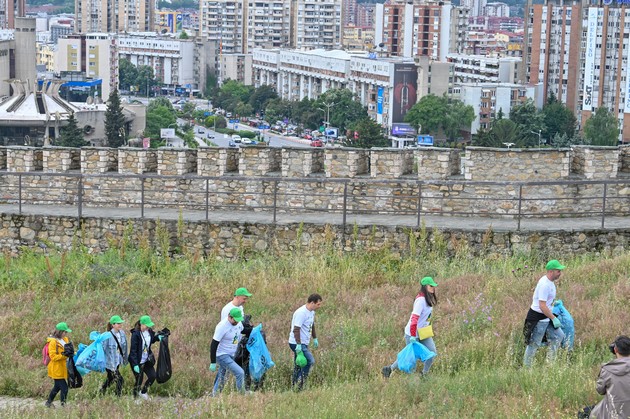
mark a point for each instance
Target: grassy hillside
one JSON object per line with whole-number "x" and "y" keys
{"x": 367, "y": 300}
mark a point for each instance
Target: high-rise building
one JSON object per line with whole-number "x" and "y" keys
{"x": 316, "y": 24}
{"x": 268, "y": 24}
{"x": 349, "y": 12}
{"x": 581, "y": 54}
{"x": 9, "y": 10}
{"x": 222, "y": 21}
{"x": 114, "y": 16}
{"x": 475, "y": 7}
{"x": 430, "y": 28}
{"x": 365, "y": 14}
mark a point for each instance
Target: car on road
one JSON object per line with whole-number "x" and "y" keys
{"x": 317, "y": 143}
{"x": 201, "y": 130}
{"x": 210, "y": 136}
{"x": 247, "y": 141}
{"x": 236, "y": 138}
{"x": 231, "y": 144}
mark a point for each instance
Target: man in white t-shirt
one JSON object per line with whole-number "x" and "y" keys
{"x": 540, "y": 321}
{"x": 227, "y": 334}
{"x": 302, "y": 329}
{"x": 240, "y": 298}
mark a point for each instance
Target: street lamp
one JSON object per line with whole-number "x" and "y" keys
{"x": 327, "y": 123}
{"x": 539, "y": 134}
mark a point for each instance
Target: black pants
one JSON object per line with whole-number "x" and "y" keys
{"x": 149, "y": 370}
{"x": 60, "y": 385}
{"x": 113, "y": 376}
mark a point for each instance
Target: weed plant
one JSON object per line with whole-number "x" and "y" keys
{"x": 368, "y": 296}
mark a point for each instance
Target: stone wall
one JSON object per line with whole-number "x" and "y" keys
{"x": 3, "y": 158}
{"x": 232, "y": 239}
{"x": 302, "y": 162}
{"x": 437, "y": 163}
{"x": 137, "y": 160}
{"x": 624, "y": 159}
{"x": 390, "y": 163}
{"x": 595, "y": 162}
{"x": 173, "y": 161}
{"x": 24, "y": 159}
{"x": 346, "y": 162}
{"x": 60, "y": 159}
{"x": 259, "y": 161}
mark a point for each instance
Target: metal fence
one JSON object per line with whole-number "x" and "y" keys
{"x": 357, "y": 196}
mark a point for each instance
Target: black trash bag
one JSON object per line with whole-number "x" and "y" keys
{"x": 74, "y": 378}
{"x": 164, "y": 370}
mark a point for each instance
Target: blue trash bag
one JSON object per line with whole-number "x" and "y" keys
{"x": 259, "y": 356}
{"x": 422, "y": 352}
{"x": 81, "y": 348}
{"x": 93, "y": 356}
{"x": 567, "y": 324}
{"x": 407, "y": 359}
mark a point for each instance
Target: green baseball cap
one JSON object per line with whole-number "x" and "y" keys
{"x": 427, "y": 280}
{"x": 116, "y": 320}
{"x": 242, "y": 292}
{"x": 554, "y": 265}
{"x": 236, "y": 314}
{"x": 63, "y": 327}
{"x": 146, "y": 320}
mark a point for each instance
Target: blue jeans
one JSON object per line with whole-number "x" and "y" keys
{"x": 554, "y": 337}
{"x": 301, "y": 374}
{"x": 226, "y": 365}
{"x": 428, "y": 342}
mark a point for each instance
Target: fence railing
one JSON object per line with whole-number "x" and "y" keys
{"x": 346, "y": 197}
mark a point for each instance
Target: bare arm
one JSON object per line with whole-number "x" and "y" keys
{"x": 296, "y": 335}
{"x": 546, "y": 311}
{"x": 313, "y": 331}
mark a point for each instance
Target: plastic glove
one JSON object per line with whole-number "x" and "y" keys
{"x": 556, "y": 322}
{"x": 298, "y": 348}
{"x": 136, "y": 369}
{"x": 160, "y": 337}
{"x": 413, "y": 339}
{"x": 213, "y": 367}
{"x": 315, "y": 343}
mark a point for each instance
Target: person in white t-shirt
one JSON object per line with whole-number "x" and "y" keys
{"x": 302, "y": 329}
{"x": 240, "y": 298}
{"x": 420, "y": 317}
{"x": 227, "y": 334}
{"x": 540, "y": 321}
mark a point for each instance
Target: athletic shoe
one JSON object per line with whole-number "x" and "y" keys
{"x": 144, "y": 396}
{"x": 387, "y": 371}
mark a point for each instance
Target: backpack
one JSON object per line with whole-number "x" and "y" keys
{"x": 45, "y": 355}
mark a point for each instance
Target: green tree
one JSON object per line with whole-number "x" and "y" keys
{"x": 427, "y": 115}
{"x": 558, "y": 119}
{"x": 458, "y": 117}
{"x": 115, "y": 121}
{"x": 306, "y": 113}
{"x": 71, "y": 134}
{"x": 220, "y": 121}
{"x": 127, "y": 74}
{"x": 160, "y": 101}
{"x": 183, "y": 35}
{"x": 145, "y": 80}
{"x": 261, "y": 96}
{"x": 345, "y": 109}
{"x": 277, "y": 109}
{"x": 188, "y": 109}
{"x": 502, "y": 131}
{"x": 529, "y": 120}
{"x": 369, "y": 134}
{"x": 602, "y": 128}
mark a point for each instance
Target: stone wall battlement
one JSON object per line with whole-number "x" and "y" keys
{"x": 430, "y": 163}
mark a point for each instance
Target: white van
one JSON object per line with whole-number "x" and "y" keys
{"x": 236, "y": 138}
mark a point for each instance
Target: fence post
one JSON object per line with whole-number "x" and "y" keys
{"x": 345, "y": 204}
{"x": 520, "y": 202}
{"x": 419, "y": 203}
{"x": 141, "y": 196}
{"x": 80, "y": 199}
{"x": 20, "y": 194}
{"x": 207, "y": 197}
{"x": 604, "y": 204}
{"x": 275, "y": 200}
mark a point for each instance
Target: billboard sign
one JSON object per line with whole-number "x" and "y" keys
{"x": 403, "y": 130}
{"x": 405, "y": 90}
{"x": 167, "y": 133}
{"x": 589, "y": 61}
{"x": 426, "y": 140}
{"x": 179, "y": 21}
{"x": 146, "y": 142}
{"x": 331, "y": 132}
{"x": 379, "y": 101}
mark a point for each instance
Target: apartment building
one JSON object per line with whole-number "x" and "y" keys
{"x": 9, "y": 10}
{"x": 431, "y": 28}
{"x": 316, "y": 24}
{"x": 46, "y": 55}
{"x": 365, "y": 14}
{"x": 349, "y": 12}
{"x": 236, "y": 67}
{"x": 497, "y": 9}
{"x": 581, "y": 54}
{"x": 93, "y": 54}
{"x": 268, "y": 25}
{"x": 114, "y": 16}
{"x": 475, "y": 7}
{"x": 357, "y": 38}
{"x": 480, "y": 68}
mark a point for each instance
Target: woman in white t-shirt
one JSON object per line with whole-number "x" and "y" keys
{"x": 420, "y": 317}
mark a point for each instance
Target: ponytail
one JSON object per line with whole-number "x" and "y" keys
{"x": 109, "y": 327}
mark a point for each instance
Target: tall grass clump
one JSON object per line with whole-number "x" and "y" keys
{"x": 368, "y": 295}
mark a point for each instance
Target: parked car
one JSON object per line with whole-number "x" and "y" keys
{"x": 236, "y": 138}
{"x": 247, "y": 141}
{"x": 317, "y": 143}
{"x": 210, "y": 136}
{"x": 201, "y": 130}
{"x": 231, "y": 144}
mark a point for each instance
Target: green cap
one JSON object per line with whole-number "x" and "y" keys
{"x": 242, "y": 292}
{"x": 63, "y": 327}
{"x": 116, "y": 320}
{"x": 236, "y": 314}
{"x": 146, "y": 320}
{"x": 427, "y": 280}
{"x": 554, "y": 265}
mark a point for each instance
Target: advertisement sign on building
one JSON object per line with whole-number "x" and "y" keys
{"x": 426, "y": 140}
{"x": 167, "y": 133}
{"x": 405, "y": 90}
{"x": 379, "y": 101}
{"x": 589, "y": 61}
{"x": 331, "y": 132}
{"x": 403, "y": 130}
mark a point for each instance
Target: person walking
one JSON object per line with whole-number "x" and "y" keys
{"x": 141, "y": 357}
{"x": 115, "y": 354}
{"x": 59, "y": 350}
{"x": 225, "y": 340}
{"x": 302, "y": 330}
{"x": 540, "y": 320}
{"x": 240, "y": 298}
{"x": 614, "y": 383}
{"x": 420, "y": 318}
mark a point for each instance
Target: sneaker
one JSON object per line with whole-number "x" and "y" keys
{"x": 387, "y": 371}
{"x": 144, "y": 396}
{"x": 49, "y": 404}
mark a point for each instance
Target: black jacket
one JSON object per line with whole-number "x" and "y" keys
{"x": 135, "y": 351}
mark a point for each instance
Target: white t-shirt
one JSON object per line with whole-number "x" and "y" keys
{"x": 545, "y": 290}
{"x": 304, "y": 319}
{"x": 225, "y": 312}
{"x": 228, "y": 336}
{"x": 423, "y": 311}
{"x": 146, "y": 342}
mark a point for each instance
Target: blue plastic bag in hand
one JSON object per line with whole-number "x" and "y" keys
{"x": 566, "y": 323}
{"x": 259, "y": 356}
{"x": 81, "y": 348}
{"x": 407, "y": 359}
{"x": 93, "y": 356}
{"x": 422, "y": 352}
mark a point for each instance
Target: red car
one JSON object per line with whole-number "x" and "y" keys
{"x": 317, "y": 143}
